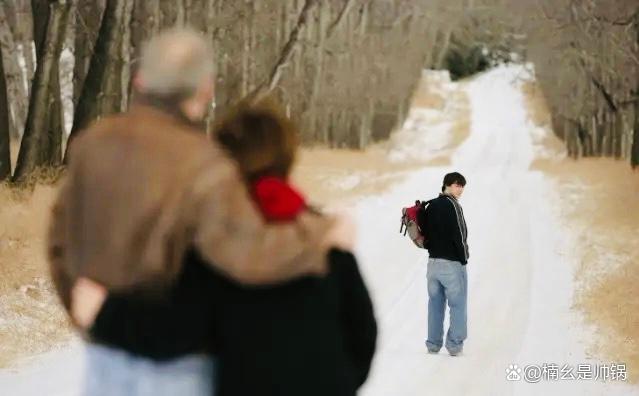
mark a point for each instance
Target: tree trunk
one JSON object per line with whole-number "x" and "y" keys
{"x": 597, "y": 134}
{"x": 18, "y": 14}
{"x": 169, "y": 11}
{"x": 443, "y": 50}
{"x": 102, "y": 89}
{"x": 5, "y": 139}
{"x": 576, "y": 136}
{"x": 313, "y": 131}
{"x": 287, "y": 52}
{"x": 88, "y": 16}
{"x": 569, "y": 131}
{"x": 348, "y": 4}
{"x": 34, "y": 150}
{"x": 52, "y": 139}
{"x": 246, "y": 52}
{"x": 617, "y": 134}
{"x": 14, "y": 78}
{"x": 126, "y": 48}
{"x": 26, "y": 37}
{"x": 145, "y": 22}
{"x": 634, "y": 154}
{"x": 180, "y": 11}
{"x": 209, "y": 21}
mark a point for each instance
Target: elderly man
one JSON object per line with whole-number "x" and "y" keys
{"x": 144, "y": 187}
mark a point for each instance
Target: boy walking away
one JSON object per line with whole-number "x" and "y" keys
{"x": 443, "y": 222}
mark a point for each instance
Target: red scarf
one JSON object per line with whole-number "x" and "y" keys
{"x": 277, "y": 200}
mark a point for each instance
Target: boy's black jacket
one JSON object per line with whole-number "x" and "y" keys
{"x": 444, "y": 227}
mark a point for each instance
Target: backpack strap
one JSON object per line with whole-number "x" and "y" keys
{"x": 403, "y": 219}
{"x": 423, "y": 206}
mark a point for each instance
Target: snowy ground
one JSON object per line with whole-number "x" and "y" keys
{"x": 520, "y": 280}
{"x": 520, "y": 277}
{"x": 426, "y": 134}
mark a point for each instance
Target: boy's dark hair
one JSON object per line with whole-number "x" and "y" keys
{"x": 453, "y": 178}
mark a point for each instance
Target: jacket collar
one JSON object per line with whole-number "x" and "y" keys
{"x": 163, "y": 109}
{"x": 447, "y": 195}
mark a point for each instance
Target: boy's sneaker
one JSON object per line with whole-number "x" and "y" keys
{"x": 432, "y": 349}
{"x": 455, "y": 353}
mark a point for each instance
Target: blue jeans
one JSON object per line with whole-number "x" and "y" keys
{"x": 111, "y": 371}
{"x": 447, "y": 281}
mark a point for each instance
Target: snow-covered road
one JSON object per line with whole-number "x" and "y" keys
{"x": 520, "y": 274}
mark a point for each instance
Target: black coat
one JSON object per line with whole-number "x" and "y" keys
{"x": 444, "y": 227}
{"x": 312, "y": 336}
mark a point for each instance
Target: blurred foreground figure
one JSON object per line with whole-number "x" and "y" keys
{"x": 143, "y": 188}
{"x": 311, "y": 336}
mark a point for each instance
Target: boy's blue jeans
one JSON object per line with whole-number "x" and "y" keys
{"x": 447, "y": 281}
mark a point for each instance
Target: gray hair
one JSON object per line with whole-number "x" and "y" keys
{"x": 175, "y": 62}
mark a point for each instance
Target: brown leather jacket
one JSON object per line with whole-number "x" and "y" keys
{"x": 142, "y": 187}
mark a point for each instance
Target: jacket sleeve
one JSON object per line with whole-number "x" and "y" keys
{"x": 232, "y": 235}
{"x": 57, "y": 245}
{"x": 455, "y": 233}
{"x": 356, "y": 313}
{"x": 161, "y": 328}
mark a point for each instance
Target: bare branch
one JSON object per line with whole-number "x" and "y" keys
{"x": 338, "y": 21}
{"x": 608, "y": 98}
{"x": 287, "y": 52}
{"x": 618, "y": 22}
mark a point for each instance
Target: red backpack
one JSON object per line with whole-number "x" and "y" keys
{"x": 410, "y": 225}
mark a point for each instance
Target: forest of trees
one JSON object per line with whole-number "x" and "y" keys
{"x": 344, "y": 69}
{"x": 586, "y": 56}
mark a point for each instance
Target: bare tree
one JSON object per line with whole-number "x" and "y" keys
{"x": 88, "y": 15}
{"x": 16, "y": 79}
{"x": 102, "y": 89}
{"x": 146, "y": 21}
{"x": 34, "y": 152}
{"x": 634, "y": 156}
{"x": 586, "y": 57}
{"x": 5, "y": 153}
{"x": 18, "y": 13}
{"x": 285, "y": 55}
{"x": 345, "y": 69}
{"x": 171, "y": 13}
{"x": 52, "y": 137}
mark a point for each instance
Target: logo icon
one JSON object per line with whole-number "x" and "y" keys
{"x": 513, "y": 373}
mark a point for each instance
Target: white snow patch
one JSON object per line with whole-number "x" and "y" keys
{"x": 56, "y": 373}
{"x": 426, "y": 132}
{"x": 67, "y": 62}
{"x": 22, "y": 62}
{"x": 349, "y": 182}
